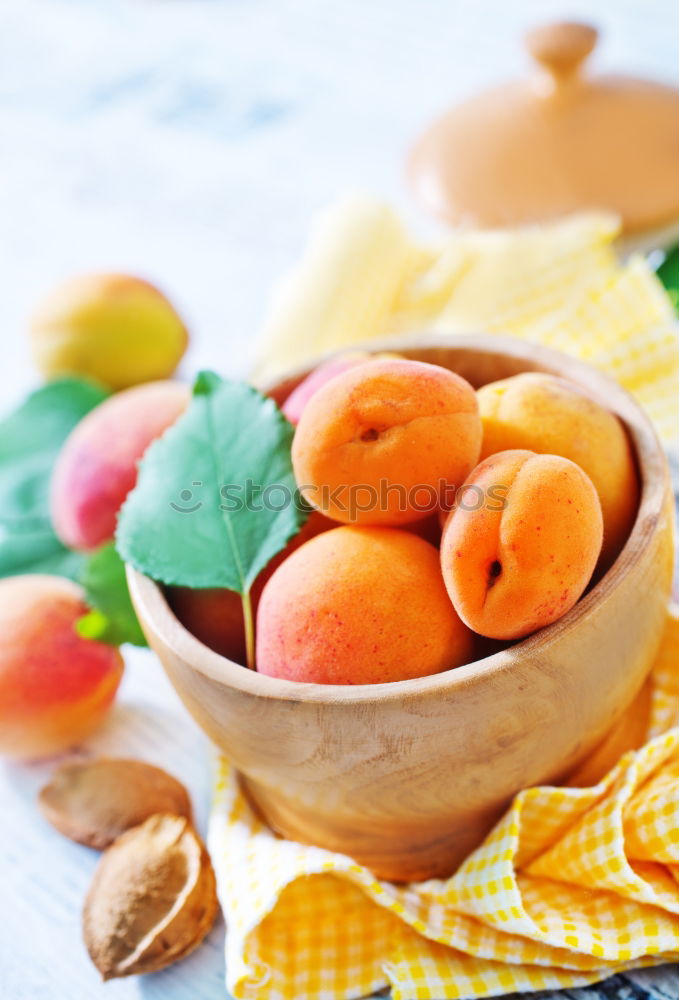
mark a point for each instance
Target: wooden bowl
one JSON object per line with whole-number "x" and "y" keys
{"x": 408, "y": 777}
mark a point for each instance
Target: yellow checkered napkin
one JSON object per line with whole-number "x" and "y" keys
{"x": 363, "y": 277}
{"x": 572, "y": 885}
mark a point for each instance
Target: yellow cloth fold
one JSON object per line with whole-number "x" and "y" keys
{"x": 363, "y": 278}
{"x": 573, "y": 884}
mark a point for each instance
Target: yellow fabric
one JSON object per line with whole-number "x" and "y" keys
{"x": 364, "y": 278}
{"x": 573, "y": 884}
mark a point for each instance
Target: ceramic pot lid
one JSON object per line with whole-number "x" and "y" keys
{"x": 559, "y": 142}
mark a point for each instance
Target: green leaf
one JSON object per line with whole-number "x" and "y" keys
{"x": 30, "y": 439}
{"x": 34, "y": 548}
{"x": 668, "y": 272}
{"x": 112, "y": 618}
{"x": 197, "y": 517}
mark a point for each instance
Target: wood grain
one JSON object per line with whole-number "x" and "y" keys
{"x": 408, "y": 777}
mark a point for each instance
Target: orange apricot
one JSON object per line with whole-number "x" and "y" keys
{"x": 301, "y": 394}
{"x": 359, "y": 605}
{"x": 115, "y": 328}
{"x": 549, "y": 415}
{"x": 214, "y": 615}
{"x": 97, "y": 465}
{"x": 55, "y": 687}
{"x": 380, "y": 443}
{"x": 428, "y": 528}
{"x": 521, "y": 545}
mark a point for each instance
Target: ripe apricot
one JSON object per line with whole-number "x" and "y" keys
{"x": 97, "y": 465}
{"x": 215, "y": 615}
{"x": 380, "y": 443}
{"x": 520, "y": 548}
{"x": 549, "y": 415}
{"x": 359, "y": 605}
{"x": 301, "y": 394}
{"x": 428, "y": 528}
{"x": 116, "y": 328}
{"x": 55, "y": 688}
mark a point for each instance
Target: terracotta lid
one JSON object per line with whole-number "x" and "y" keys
{"x": 559, "y": 142}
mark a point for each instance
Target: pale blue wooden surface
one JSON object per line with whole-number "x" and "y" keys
{"x": 191, "y": 141}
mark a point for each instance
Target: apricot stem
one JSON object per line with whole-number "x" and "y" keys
{"x": 249, "y": 626}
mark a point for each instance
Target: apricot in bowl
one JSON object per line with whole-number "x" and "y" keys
{"x": 381, "y": 442}
{"x": 550, "y": 415}
{"x": 359, "y": 606}
{"x": 518, "y": 564}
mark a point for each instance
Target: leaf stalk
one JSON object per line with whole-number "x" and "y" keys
{"x": 249, "y": 625}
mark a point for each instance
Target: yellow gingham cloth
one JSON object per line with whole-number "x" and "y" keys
{"x": 573, "y": 884}
{"x": 363, "y": 278}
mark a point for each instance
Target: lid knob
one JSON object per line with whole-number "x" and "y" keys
{"x": 562, "y": 47}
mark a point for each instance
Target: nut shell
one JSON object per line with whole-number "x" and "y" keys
{"x": 94, "y": 801}
{"x": 152, "y": 900}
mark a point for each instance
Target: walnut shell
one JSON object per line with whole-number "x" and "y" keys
{"x": 94, "y": 801}
{"x": 152, "y": 900}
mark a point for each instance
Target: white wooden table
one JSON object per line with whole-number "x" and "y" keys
{"x": 191, "y": 141}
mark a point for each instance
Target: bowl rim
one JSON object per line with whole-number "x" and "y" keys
{"x": 149, "y": 598}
